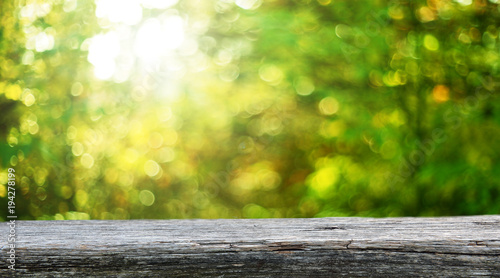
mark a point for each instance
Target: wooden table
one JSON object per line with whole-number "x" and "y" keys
{"x": 317, "y": 247}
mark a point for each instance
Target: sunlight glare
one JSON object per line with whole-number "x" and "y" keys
{"x": 155, "y": 37}
{"x": 174, "y": 31}
{"x": 103, "y": 50}
{"x": 148, "y": 42}
{"x": 248, "y": 4}
{"x": 158, "y": 4}
{"x": 124, "y": 11}
{"x": 153, "y": 42}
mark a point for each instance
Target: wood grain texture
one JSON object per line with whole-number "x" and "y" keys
{"x": 319, "y": 247}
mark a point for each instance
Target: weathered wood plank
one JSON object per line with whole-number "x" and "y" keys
{"x": 319, "y": 247}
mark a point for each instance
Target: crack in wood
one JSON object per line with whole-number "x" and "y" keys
{"x": 481, "y": 243}
{"x": 487, "y": 223}
{"x": 349, "y": 243}
{"x": 330, "y": 228}
{"x": 285, "y": 246}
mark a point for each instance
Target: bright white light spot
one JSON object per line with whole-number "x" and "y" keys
{"x": 248, "y": 4}
{"x": 105, "y": 69}
{"x": 103, "y": 50}
{"x": 103, "y": 46}
{"x": 124, "y": 11}
{"x": 158, "y": 4}
{"x": 174, "y": 31}
{"x": 155, "y": 37}
{"x": 155, "y": 44}
{"x": 43, "y": 42}
{"x": 28, "y": 11}
{"x": 148, "y": 43}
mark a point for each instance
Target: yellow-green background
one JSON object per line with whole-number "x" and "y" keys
{"x": 319, "y": 112}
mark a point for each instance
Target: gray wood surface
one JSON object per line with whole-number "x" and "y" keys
{"x": 319, "y": 247}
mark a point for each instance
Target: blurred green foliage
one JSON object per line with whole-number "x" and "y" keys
{"x": 250, "y": 108}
